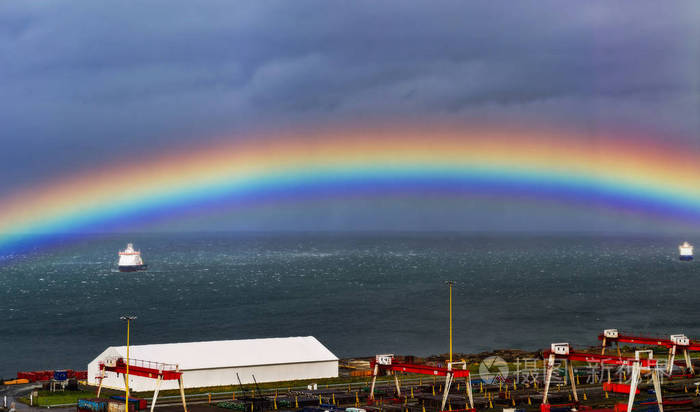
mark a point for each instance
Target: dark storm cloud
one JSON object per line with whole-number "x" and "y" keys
{"x": 85, "y": 82}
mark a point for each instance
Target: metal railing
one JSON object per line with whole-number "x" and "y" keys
{"x": 152, "y": 365}
{"x": 121, "y": 361}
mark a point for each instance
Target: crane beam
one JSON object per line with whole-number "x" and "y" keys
{"x": 639, "y": 340}
{"x": 422, "y": 369}
{"x": 603, "y": 359}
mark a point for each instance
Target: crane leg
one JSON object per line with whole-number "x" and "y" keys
{"x": 469, "y": 393}
{"x": 657, "y": 389}
{"x": 155, "y": 393}
{"x": 374, "y": 381}
{"x": 633, "y": 386}
{"x": 182, "y": 394}
{"x": 398, "y": 387}
{"x": 602, "y": 351}
{"x": 573, "y": 381}
{"x": 548, "y": 378}
{"x": 688, "y": 363}
{"x": 448, "y": 383}
{"x": 102, "y": 378}
{"x": 671, "y": 359}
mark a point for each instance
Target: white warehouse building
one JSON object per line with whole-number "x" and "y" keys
{"x": 217, "y": 363}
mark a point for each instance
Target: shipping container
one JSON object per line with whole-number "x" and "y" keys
{"x": 138, "y": 403}
{"x": 94, "y": 405}
{"x": 44, "y": 375}
{"x": 115, "y": 405}
{"x": 618, "y": 388}
{"x": 30, "y": 376}
{"x": 60, "y": 375}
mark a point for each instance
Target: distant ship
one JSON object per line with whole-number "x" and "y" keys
{"x": 130, "y": 259}
{"x": 686, "y": 251}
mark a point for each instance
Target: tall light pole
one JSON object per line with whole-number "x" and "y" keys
{"x": 128, "y": 319}
{"x": 450, "y": 283}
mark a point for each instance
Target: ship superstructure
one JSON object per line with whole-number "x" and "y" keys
{"x": 685, "y": 251}
{"x": 130, "y": 259}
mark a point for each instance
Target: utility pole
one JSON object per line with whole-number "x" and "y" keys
{"x": 450, "y": 283}
{"x": 128, "y": 319}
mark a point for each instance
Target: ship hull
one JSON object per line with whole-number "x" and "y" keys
{"x": 133, "y": 268}
{"x": 686, "y": 258}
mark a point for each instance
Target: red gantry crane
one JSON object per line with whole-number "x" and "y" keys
{"x": 146, "y": 369}
{"x": 563, "y": 351}
{"x": 386, "y": 363}
{"x": 675, "y": 341}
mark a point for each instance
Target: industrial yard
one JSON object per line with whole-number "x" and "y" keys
{"x": 624, "y": 373}
{"x": 558, "y": 379}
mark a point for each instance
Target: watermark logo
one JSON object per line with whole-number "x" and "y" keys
{"x": 493, "y": 370}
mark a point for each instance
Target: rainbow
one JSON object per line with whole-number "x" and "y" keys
{"x": 621, "y": 172}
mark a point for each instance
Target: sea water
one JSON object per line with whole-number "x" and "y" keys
{"x": 359, "y": 293}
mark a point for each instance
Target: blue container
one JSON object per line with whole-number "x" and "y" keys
{"x": 95, "y": 405}
{"x": 60, "y": 375}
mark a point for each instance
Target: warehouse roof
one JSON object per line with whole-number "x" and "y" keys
{"x": 231, "y": 353}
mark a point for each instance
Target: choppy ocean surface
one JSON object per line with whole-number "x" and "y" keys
{"x": 360, "y": 294}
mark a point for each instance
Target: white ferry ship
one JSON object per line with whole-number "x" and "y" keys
{"x": 130, "y": 259}
{"x": 685, "y": 251}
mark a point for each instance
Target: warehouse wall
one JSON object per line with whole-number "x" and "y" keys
{"x": 267, "y": 373}
{"x": 222, "y": 376}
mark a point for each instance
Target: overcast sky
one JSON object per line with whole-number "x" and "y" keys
{"x": 85, "y": 82}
